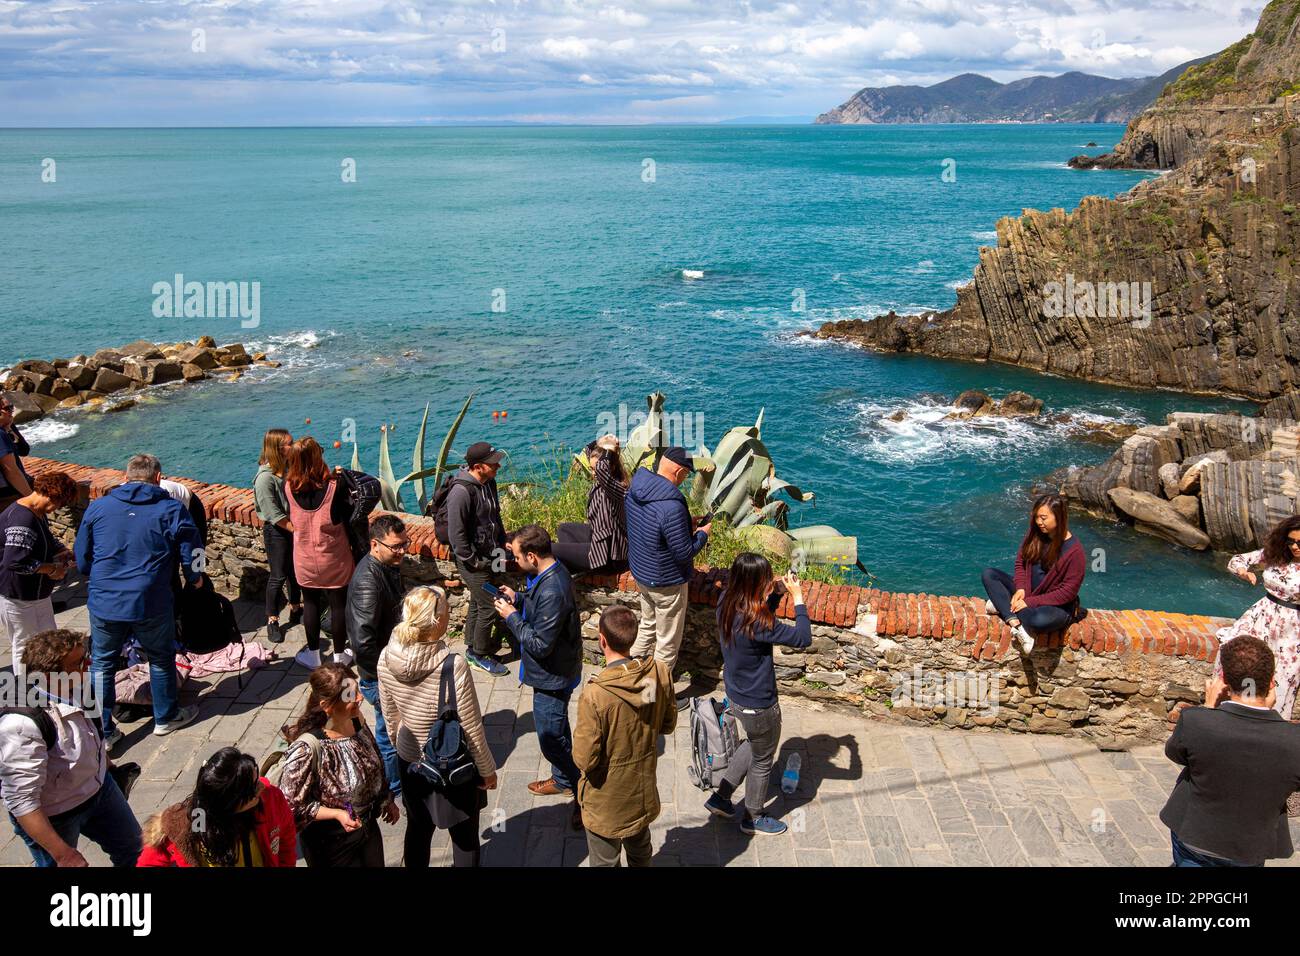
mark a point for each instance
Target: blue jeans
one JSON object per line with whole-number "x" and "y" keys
{"x": 105, "y": 818}
{"x": 1186, "y": 856}
{"x": 370, "y": 691}
{"x": 157, "y": 635}
{"x": 1043, "y": 619}
{"x": 551, "y": 717}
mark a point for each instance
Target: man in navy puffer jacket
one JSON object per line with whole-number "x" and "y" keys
{"x": 128, "y": 545}
{"x": 661, "y": 552}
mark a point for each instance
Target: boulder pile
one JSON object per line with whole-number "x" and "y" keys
{"x": 37, "y": 387}
{"x": 1200, "y": 480}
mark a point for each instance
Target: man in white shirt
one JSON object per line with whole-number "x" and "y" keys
{"x": 58, "y": 787}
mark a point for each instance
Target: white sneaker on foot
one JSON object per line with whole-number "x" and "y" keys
{"x": 307, "y": 658}
{"x": 345, "y": 658}
{"x": 184, "y": 715}
{"x": 989, "y": 608}
{"x": 1024, "y": 639}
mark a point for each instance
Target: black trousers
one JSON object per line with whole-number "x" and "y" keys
{"x": 484, "y": 629}
{"x": 279, "y": 555}
{"x": 325, "y": 843}
{"x": 463, "y": 807}
{"x": 572, "y": 547}
{"x": 337, "y": 601}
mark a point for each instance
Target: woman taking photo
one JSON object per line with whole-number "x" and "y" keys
{"x": 322, "y": 557}
{"x": 277, "y": 531}
{"x": 748, "y": 629}
{"x": 602, "y": 541}
{"x": 1274, "y": 618}
{"x": 32, "y": 560}
{"x": 234, "y": 817}
{"x": 334, "y": 775}
{"x": 1043, "y": 593}
{"x": 411, "y": 669}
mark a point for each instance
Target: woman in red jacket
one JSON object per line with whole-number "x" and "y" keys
{"x": 1043, "y": 594}
{"x": 234, "y": 817}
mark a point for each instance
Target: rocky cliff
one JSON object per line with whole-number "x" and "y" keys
{"x": 1185, "y": 282}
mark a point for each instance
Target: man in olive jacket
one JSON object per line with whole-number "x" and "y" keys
{"x": 621, "y": 714}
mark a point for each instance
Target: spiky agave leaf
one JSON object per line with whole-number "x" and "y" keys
{"x": 417, "y": 459}
{"x": 646, "y": 442}
{"x": 437, "y": 470}
{"x": 390, "y": 494}
{"x": 356, "y": 457}
{"x": 822, "y": 544}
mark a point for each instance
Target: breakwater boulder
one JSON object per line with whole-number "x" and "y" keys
{"x": 1200, "y": 480}
{"x": 37, "y": 387}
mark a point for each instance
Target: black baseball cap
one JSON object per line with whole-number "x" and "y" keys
{"x": 678, "y": 456}
{"x": 482, "y": 452}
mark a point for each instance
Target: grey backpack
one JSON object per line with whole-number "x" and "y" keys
{"x": 714, "y": 739}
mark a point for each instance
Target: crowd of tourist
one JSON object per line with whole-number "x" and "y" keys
{"x": 419, "y": 747}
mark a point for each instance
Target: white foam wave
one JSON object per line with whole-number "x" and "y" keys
{"x": 919, "y": 429}
{"x": 48, "y": 431}
{"x": 958, "y": 283}
{"x": 303, "y": 339}
{"x": 985, "y": 236}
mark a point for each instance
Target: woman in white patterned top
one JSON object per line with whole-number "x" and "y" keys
{"x": 1275, "y": 618}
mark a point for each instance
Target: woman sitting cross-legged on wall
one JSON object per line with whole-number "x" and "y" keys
{"x": 1043, "y": 594}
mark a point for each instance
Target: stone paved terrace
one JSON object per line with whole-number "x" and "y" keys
{"x": 872, "y": 792}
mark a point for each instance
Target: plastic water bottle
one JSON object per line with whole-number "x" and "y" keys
{"x": 790, "y": 779}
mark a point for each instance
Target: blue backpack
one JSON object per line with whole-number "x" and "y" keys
{"x": 446, "y": 762}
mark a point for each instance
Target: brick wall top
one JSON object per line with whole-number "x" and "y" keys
{"x": 897, "y": 614}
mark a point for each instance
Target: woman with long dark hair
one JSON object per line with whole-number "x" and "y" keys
{"x": 1043, "y": 594}
{"x": 1274, "y": 618}
{"x": 234, "y": 817}
{"x": 277, "y": 530}
{"x": 322, "y": 554}
{"x": 334, "y": 775}
{"x": 602, "y": 541}
{"x": 748, "y": 630}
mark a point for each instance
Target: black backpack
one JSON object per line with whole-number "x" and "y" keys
{"x": 446, "y": 762}
{"x": 438, "y": 508}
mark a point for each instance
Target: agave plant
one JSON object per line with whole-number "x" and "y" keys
{"x": 390, "y": 485}
{"x": 738, "y": 480}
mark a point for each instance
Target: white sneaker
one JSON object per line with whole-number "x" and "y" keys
{"x": 184, "y": 715}
{"x": 307, "y": 658}
{"x": 1023, "y": 638}
{"x": 345, "y": 658}
{"x": 989, "y": 608}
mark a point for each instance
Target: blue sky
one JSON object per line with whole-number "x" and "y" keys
{"x": 325, "y": 62}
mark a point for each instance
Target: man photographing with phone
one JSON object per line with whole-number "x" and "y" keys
{"x": 662, "y": 545}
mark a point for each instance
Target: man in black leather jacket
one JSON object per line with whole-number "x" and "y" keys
{"x": 374, "y": 607}
{"x": 544, "y": 619}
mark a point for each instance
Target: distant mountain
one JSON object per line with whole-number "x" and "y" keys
{"x": 971, "y": 98}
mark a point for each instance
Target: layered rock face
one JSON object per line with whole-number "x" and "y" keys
{"x": 1200, "y": 481}
{"x": 1187, "y": 282}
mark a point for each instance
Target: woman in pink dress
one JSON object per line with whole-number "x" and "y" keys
{"x": 1275, "y": 618}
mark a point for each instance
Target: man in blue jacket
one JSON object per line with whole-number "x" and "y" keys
{"x": 661, "y": 553}
{"x": 544, "y": 619}
{"x": 128, "y": 547}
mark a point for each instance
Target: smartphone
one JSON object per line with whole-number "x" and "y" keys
{"x": 702, "y": 521}
{"x": 492, "y": 590}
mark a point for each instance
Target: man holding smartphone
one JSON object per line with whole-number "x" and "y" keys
{"x": 662, "y": 545}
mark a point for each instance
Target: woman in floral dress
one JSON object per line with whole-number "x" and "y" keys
{"x": 1275, "y": 618}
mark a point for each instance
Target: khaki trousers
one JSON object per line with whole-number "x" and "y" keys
{"x": 663, "y": 622}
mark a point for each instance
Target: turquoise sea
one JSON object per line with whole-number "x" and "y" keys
{"x": 377, "y": 295}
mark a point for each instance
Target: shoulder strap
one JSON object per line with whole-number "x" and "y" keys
{"x": 447, "y": 679}
{"x": 43, "y": 721}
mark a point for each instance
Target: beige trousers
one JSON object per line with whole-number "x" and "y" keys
{"x": 663, "y": 622}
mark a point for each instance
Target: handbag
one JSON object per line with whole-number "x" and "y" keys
{"x": 445, "y": 761}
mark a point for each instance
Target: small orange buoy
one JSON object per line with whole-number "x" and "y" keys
{"x": 308, "y": 421}
{"x": 504, "y": 414}
{"x": 496, "y": 414}
{"x": 383, "y": 428}
{"x": 337, "y": 443}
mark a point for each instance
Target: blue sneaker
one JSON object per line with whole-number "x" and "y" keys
{"x": 762, "y": 824}
{"x": 489, "y": 664}
{"x": 719, "y": 806}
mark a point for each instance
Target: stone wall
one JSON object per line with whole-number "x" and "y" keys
{"x": 1117, "y": 677}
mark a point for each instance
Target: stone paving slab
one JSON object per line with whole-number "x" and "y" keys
{"x": 871, "y": 793}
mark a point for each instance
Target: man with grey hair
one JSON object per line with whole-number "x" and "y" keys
{"x": 128, "y": 547}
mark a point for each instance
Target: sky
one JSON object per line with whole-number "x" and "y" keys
{"x": 343, "y": 62}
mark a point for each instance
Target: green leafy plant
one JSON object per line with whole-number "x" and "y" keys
{"x": 390, "y": 485}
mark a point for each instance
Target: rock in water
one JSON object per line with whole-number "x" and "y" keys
{"x": 1156, "y": 516}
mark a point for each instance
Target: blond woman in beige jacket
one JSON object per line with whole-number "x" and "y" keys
{"x": 410, "y": 678}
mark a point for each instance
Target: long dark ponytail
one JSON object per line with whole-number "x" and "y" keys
{"x": 744, "y": 603}
{"x": 226, "y": 781}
